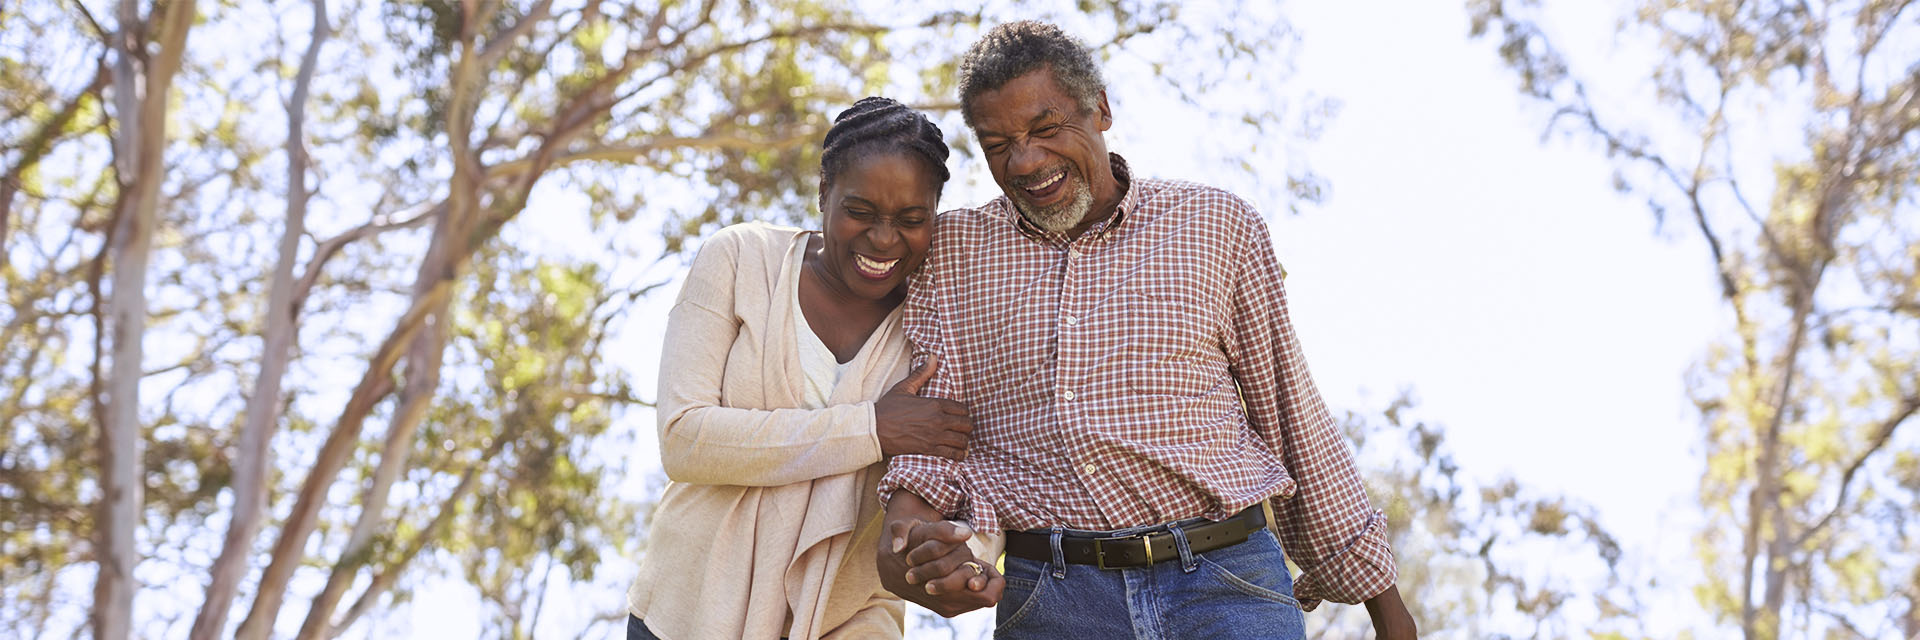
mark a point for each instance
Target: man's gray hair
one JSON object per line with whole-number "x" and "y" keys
{"x": 1012, "y": 50}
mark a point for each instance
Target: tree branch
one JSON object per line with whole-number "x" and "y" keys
{"x": 500, "y": 44}
{"x": 449, "y": 508}
{"x": 37, "y": 145}
{"x": 628, "y": 153}
{"x": 326, "y": 249}
{"x": 106, "y": 37}
{"x": 1882, "y": 435}
{"x": 250, "y": 476}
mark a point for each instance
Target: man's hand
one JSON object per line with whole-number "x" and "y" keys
{"x": 1391, "y": 621}
{"x": 907, "y": 423}
{"x": 925, "y": 559}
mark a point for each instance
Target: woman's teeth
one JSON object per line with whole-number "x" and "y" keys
{"x": 874, "y": 268}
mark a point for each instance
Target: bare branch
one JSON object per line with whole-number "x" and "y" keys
{"x": 106, "y": 37}
{"x": 327, "y": 249}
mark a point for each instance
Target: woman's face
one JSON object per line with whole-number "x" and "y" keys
{"x": 879, "y": 222}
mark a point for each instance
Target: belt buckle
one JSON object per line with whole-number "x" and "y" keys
{"x": 1100, "y": 552}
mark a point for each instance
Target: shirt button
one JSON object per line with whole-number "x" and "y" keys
{"x": 1071, "y": 321}
{"x": 1088, "y": 467}
{"x": 1068, "y": 394}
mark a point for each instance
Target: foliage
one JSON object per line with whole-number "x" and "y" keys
{"x": 1786, "y": 136}
{"x": 1471, "y": 554}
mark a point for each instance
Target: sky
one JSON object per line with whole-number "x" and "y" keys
{"x": 1530, "y": 308}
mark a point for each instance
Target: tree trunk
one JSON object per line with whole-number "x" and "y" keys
{"x": 466, "y": 224}
{"x": 254, "y": 455}
{"x": 142, "y": 79}
{"x": 424, "y": 358}
{"x": 374, "y": 385}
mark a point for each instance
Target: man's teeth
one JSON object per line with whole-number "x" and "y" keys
{"x": 1056, "y": 178}
{"x": 875, "y": 267}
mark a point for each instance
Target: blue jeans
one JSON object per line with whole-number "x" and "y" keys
{"x": 1241, "y": 591}
{"x": 637, "y": 630}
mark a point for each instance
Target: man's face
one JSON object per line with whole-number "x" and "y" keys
{"x": 1045, "y": 150}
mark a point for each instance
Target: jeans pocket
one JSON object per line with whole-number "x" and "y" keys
{"x": 1256, "y": 568}
{"x": 1022, "y": 596}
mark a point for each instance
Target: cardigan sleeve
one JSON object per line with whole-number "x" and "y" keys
{"x": 704, "y": 442}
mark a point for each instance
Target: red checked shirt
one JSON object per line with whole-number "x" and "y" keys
{"x": 1141, "y": 373}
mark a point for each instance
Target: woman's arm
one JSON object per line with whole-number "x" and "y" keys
{"x": 704, "y": 442}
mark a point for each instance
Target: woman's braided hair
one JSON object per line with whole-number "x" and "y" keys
{"x": 875, "y": 125}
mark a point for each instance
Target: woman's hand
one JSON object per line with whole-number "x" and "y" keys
{"x": 908, "y": 423}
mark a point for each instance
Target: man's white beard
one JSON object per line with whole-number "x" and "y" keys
{"x": 1059, "y": 217}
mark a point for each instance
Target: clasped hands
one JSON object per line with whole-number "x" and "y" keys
{"x": 925, "y": 559}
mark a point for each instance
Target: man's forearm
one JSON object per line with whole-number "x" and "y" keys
{"x": 905, "y": 504}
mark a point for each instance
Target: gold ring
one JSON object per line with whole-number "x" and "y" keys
{"x": 977, "y": 569}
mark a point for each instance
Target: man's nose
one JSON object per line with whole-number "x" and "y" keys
{"x": 1025, "y": 158}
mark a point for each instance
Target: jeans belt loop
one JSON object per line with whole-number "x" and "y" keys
{"x": 1059, "y": 557}
{"x": 1187, "y": 563}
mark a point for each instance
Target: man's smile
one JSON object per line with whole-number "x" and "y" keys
{"x": 1044, "y": 188}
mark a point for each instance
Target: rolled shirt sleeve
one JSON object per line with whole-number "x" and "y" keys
{"x": 1327, "y": 524}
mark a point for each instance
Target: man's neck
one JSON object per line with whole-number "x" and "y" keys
{"x": 1105, "y": 203}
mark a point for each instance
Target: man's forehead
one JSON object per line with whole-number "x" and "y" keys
{"x": 1031, "y": 98}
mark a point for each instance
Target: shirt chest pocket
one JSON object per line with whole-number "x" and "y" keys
{"x": 1171, "y": 341}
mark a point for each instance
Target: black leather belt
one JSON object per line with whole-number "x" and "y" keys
{"x": 1138, "y": 549}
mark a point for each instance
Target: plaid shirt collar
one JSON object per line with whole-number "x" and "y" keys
{"x": 1101, "y": 231}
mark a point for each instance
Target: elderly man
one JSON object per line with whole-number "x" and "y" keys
{"x": 1137, "y": 391}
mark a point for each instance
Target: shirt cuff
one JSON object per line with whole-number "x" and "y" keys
{"x": 926, "y": 477}
{"x": 1354, "y": 574}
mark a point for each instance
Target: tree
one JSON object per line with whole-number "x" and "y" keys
{"x": 1783, "y": 132}
{"x": 147, "y": 53}
{"x": 382, "y": 384}
{"x": 1482, "y": 560}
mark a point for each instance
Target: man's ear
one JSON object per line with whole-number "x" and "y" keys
{"x": 1106, "y": 113}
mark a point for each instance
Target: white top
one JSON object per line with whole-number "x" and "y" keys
{"x": 821, "y": 370}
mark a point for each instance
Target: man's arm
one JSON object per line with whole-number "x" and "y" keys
{"x": 1391, "y": 620}
{"x": 1328, "y": 526}
{"x": 935, "y": 481}
{"x": 922, "y": 555}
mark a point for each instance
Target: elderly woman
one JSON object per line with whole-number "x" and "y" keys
{"x": 782, "y": 396}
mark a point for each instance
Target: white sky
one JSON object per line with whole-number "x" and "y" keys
{"x": 1535, "y": 312}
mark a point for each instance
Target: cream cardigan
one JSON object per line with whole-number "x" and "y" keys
{"x": 771, "y": 508}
